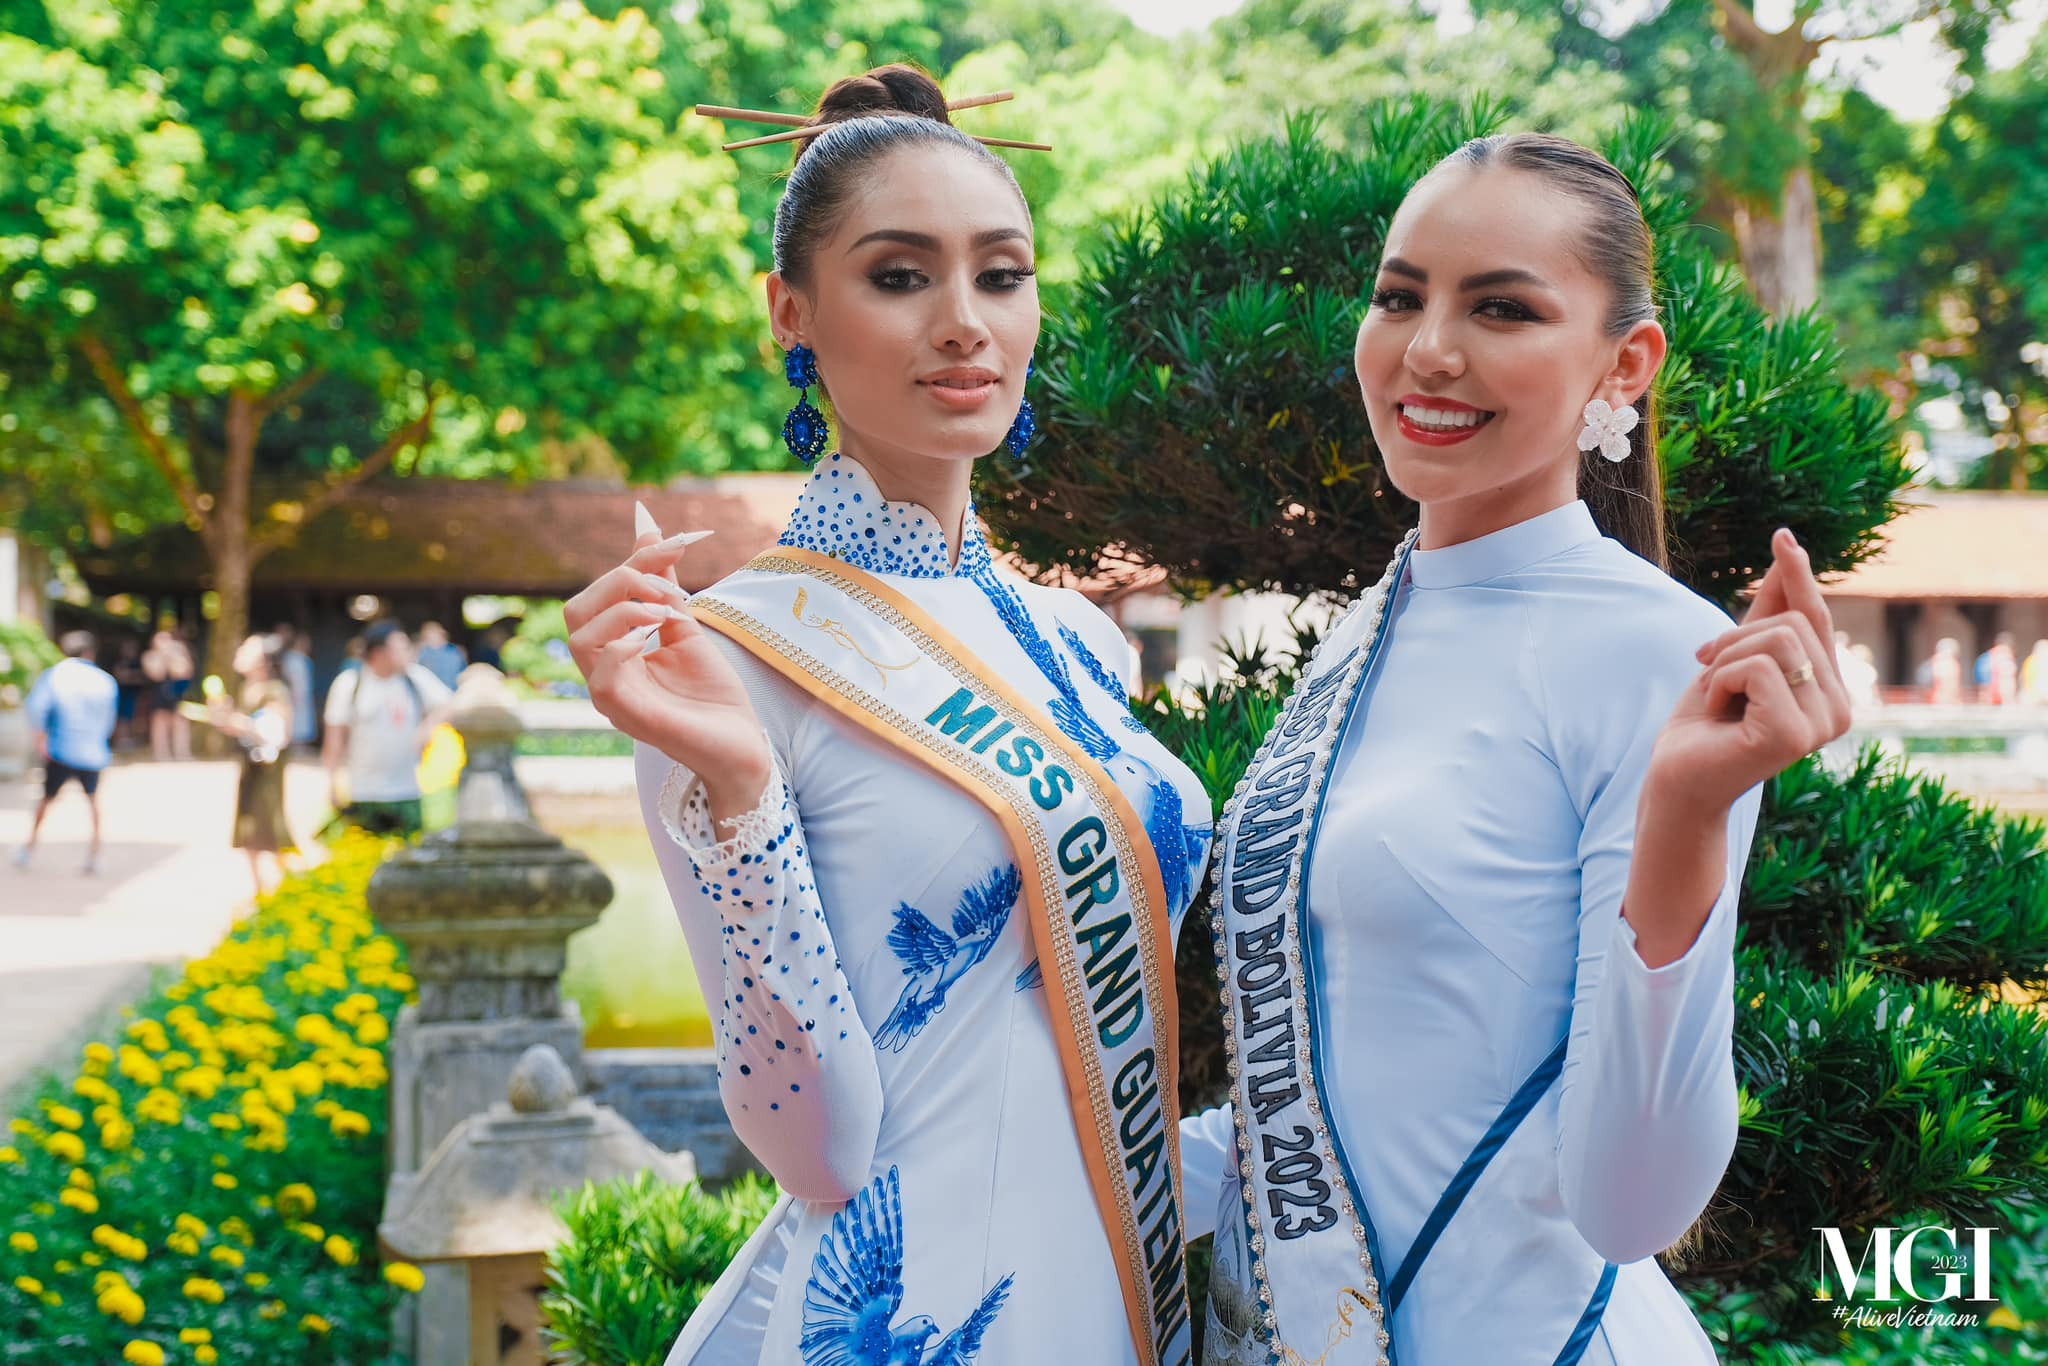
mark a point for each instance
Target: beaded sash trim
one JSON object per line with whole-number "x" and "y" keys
{"x": 1295, "y": 1278}
{"x": 1098, "y": 908}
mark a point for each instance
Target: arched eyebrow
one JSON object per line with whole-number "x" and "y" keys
{"x": 1488, "y": 279}
{"x": 924, "y": 241}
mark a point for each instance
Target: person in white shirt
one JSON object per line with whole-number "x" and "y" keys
{"x": 928, "y": 864}
{"x": 1477, "y": 898}
{"x": 379, "y": 718}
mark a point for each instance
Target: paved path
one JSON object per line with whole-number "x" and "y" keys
{"x": 73, "y": 948}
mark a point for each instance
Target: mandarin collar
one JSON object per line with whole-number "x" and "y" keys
{"x": 842, "y": 514}
{"x": 1505, "y": 551}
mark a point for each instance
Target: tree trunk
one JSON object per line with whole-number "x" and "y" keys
{"x": 1780, "y": 245}
{"x": 229, "y": 552}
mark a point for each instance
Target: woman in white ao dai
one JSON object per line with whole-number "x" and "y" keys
{"x": 1525, "y": 877}
{"x": 885, "y": 1047}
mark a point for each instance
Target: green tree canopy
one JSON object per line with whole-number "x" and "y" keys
{"x": 208, "y": 214}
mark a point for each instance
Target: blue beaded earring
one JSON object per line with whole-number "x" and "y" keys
{"x": 1025, "y": 425}
{"x": 804, "y": 430}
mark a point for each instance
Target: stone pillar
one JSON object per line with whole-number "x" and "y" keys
{"x": 485, "y": 910}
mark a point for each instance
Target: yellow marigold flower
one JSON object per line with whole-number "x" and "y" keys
{"x": 107, "y": 1280}
{"x": 405, "y": 1276}
{"x": 271, "y": 1309}
{"x": 65, "y": 1267}
{"x": 28, "y": 1285}
{"x": 65, "y": 1147}
{"x": 85, "y": 1202}
{"x": 224, "y": 1181}
{"x": 234, "y": 1226}
{"x": 117, "y": 1135}
{"x": 98, "y": 1052}
{"x": 192, "y": 1336}
{"x": 227, "y": 1122}
{"x": 348, "y": 1123}
{"x": 142, "y": 1353}
{"x": 201, "y": 1083}
{"x": 94, "y": 1259}
{"x": 201, "y": 1288}
{"x": 10, "y": 1154}
{"x": 161, "y": 1106}
{"x": 340, "y": 1249}
{"x": 297, "y": 1199}
{"x": 183, "y": 1243}
{"x": 53, "y": 1299}
{"x": 401, "y": 982}
{"x": 324, "y": 1110}
{"x": 22, "y": 1242}
{"x": 205, "y": 1356}
{"x": 257, "y": 1280}
{"x": 227, "y": 1256}
{"x": 22, "y": 1126}
{"x": 315, "y": 1325}
{"x": 92, "y": 1088}
{"x": 121, "y": 1302}
{"x": 139, "y": 1067}
{"x": 176, "y": 1060}
{"x": 192, "y": 1224}
{"x": 312, "y": 1233}
{"x": 373, "y": 1029}
{"x": 78, "y": 1178}
{"x": 63, "y": 1116}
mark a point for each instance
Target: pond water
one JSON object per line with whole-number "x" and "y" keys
{"x": 630, "y": 973}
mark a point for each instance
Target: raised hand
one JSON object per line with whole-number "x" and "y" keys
{"x": 1770, "y": 692}
{"x": 682, "y": 696}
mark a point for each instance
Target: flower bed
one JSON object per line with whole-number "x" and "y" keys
{"x": 206, "y": 1188}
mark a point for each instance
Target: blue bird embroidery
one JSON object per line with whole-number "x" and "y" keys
{"x": 856, "y": 1287}
{"x": 935, "y": 960}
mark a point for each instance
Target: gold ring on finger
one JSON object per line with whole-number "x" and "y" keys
{"x": 1802, "y": 674}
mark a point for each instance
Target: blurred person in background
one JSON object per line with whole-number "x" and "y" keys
{"x": 1945, "y": 673}
{"x": 168, "y": 666}
{"x": 438, "y": 656}
{"x": 295, "y": 668}
{"x": 73, "y": 708}
{"x": 2034, "y": 676}
{"x": 260, "y": 721}
{"x": 379, "y": 718}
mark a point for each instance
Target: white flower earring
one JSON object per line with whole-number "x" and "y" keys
{"x": 1607, "y": 429}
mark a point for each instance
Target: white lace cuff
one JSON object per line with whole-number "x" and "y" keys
{"x": 686, "y": 816}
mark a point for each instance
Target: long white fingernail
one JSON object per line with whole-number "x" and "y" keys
{"x": 643, "y": 521}
{"x": 684, "y": 538}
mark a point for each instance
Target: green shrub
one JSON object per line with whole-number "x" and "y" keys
{"x": 639, "y": 1257}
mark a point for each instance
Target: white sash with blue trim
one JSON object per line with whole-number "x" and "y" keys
{"x": 1296, "y": 1278}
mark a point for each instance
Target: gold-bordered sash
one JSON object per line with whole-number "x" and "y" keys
{"x": 882, "y": 663}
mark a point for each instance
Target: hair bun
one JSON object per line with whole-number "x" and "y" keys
{"x": 897, "y": 89}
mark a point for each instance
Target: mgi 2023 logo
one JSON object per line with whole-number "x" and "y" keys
{"x": 1904, "y": 1265}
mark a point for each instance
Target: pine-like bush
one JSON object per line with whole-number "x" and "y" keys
{"x": 1198, "y": 408}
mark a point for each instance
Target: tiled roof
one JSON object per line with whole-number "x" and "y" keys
{"x": 541, "y": 540}
{"x": 1958, "y": 545}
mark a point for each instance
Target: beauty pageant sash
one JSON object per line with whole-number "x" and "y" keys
{"x": 1097, "y": 901}
{"x": 1295, "y": 1278}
